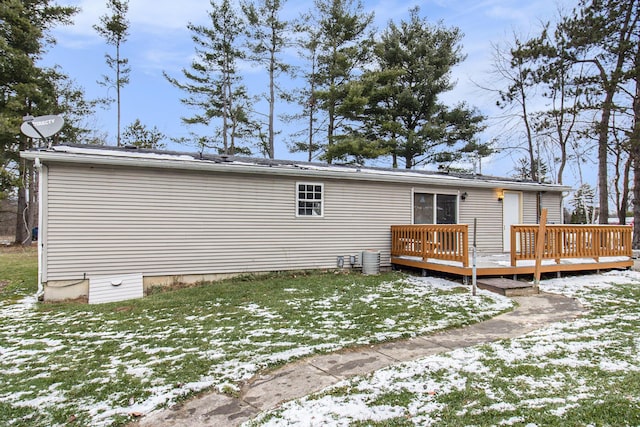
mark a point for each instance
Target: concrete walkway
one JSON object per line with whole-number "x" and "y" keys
{"x": 306, "y": 376}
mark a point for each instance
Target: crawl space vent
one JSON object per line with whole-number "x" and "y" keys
{"x": 115, "y": 288}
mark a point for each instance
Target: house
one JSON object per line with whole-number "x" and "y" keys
{"x": 110, "y": 216}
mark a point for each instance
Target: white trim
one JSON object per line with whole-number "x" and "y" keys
{"x": 43, "y": 176}
{"x": 322, "y": 198}
{"x": 434, "y": 195}
{"x": 506, "y": 232}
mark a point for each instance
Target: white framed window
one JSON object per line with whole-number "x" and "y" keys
{"x": 435, "y": 208}
{"x": 309, "y": 199}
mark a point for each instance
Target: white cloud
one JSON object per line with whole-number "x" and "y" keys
{"x": 148, "y": 16}
{"x": 157, "y": 16}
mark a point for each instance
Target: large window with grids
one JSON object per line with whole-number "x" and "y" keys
{"x": 309, "y": 199}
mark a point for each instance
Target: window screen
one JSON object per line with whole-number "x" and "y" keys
{"x": 429, "y": 208}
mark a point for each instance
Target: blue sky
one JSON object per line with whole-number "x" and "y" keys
{"x": 159, "y": 41}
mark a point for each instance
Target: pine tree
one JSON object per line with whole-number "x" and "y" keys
{"x": 213, "y": 84}
{"x": 398, "y": 102}
{"x": 114, "y": 29}
{"x": 604, "y": 35}
{"x": 138, "y": 135}
{"x": 305, "y": 140}
{"x": 583, "y": 203}
{"x": 345, "y": 40}
{"x": 25, "y": 89}
{"x": 522, "y": 170}
{"x": 267, "y": 41}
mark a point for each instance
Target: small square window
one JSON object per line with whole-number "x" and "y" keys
{"x": 309, "y": 200}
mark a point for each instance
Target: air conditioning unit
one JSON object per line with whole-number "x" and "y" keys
{"x": 370, "y": 262}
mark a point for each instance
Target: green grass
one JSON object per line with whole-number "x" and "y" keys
{"x": 18, "y": 272}
{"x": 578, "y": 373}
{"x": 95, "y": 364}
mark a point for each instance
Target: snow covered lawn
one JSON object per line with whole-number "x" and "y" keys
{"x": 584, "y": 372}
{"x": 99, "y": 364}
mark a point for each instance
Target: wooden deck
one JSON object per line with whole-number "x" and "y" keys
{"x": 567, "y": 248}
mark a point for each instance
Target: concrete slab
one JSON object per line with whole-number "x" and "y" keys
{"x": 210, "y": 410}
{"x": 287, "y": 383}
{"x": 545, "y": 308}
{"x": 346, "y": 364}
{"x": 507, "y": 287}
{"x": 468, "y": 336}
{"x": 410, "y": 349}
{"x": 268, "y": 390}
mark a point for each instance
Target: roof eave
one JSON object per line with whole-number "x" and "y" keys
{"x": 304, "y": 172}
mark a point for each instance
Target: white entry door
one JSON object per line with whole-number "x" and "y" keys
{"x": 511, "y": 214}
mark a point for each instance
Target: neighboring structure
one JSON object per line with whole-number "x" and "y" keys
{"x": 8, "y": 209}
{"x": 166, "y": 217}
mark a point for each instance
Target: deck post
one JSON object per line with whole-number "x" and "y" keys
{"x": 558, "y": 244}
{"x": 423, "y": 244}
{"x": 474, "y": 273}
{"x": 513, "y": 246}
{"x": 542, "y": 228}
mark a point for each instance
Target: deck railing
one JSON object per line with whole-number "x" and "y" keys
{"x": 571, "y": 241}
{"x": 442, "y": 241}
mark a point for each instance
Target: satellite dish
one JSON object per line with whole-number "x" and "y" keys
{"x": 41, "y": 127}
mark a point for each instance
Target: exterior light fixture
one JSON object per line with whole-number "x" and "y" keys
{"x": 464, "y": 195}
{"x": 500, "y": 195}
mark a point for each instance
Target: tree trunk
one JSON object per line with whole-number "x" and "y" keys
{"x": 311, "y": 111}
{"x": 331, "y": 110}
{"x": 272, "y": 99}
{"x": 603, "y": 151}
{"x": 330, "y": 130}
{"x": 33, "y": 196}
{"x": 226, "y": 107}
{"x": 23, "y": 226}
{"x": 527, "y": 126}
{"x": 118, "y": 89}
{"x": 624, "y": 197}
{"x": 636, "y": 200}
{"x": 634, "y": 155}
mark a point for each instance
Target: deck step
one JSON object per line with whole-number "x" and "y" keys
{"x": 507, "y": 287}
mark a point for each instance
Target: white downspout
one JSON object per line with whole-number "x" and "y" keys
{"x": 41, "y": 185}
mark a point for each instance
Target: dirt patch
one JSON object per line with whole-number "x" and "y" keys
{"x": 17, "y": 249}
{"x": 80, "y": 300}
{"x": 3, "y": 284}
{"x": 160, "y": 289}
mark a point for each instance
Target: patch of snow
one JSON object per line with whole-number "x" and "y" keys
{"x": 570, "y": 345}
{"x": 511, "y": 421}
{"x": 114, "y": 153}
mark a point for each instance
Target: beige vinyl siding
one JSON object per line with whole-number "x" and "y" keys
{"x": 553, "y": 203}
{"x": 483, "y": 204}
{"x": 103, "y": 220}
{"x": 529, "y": 208}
